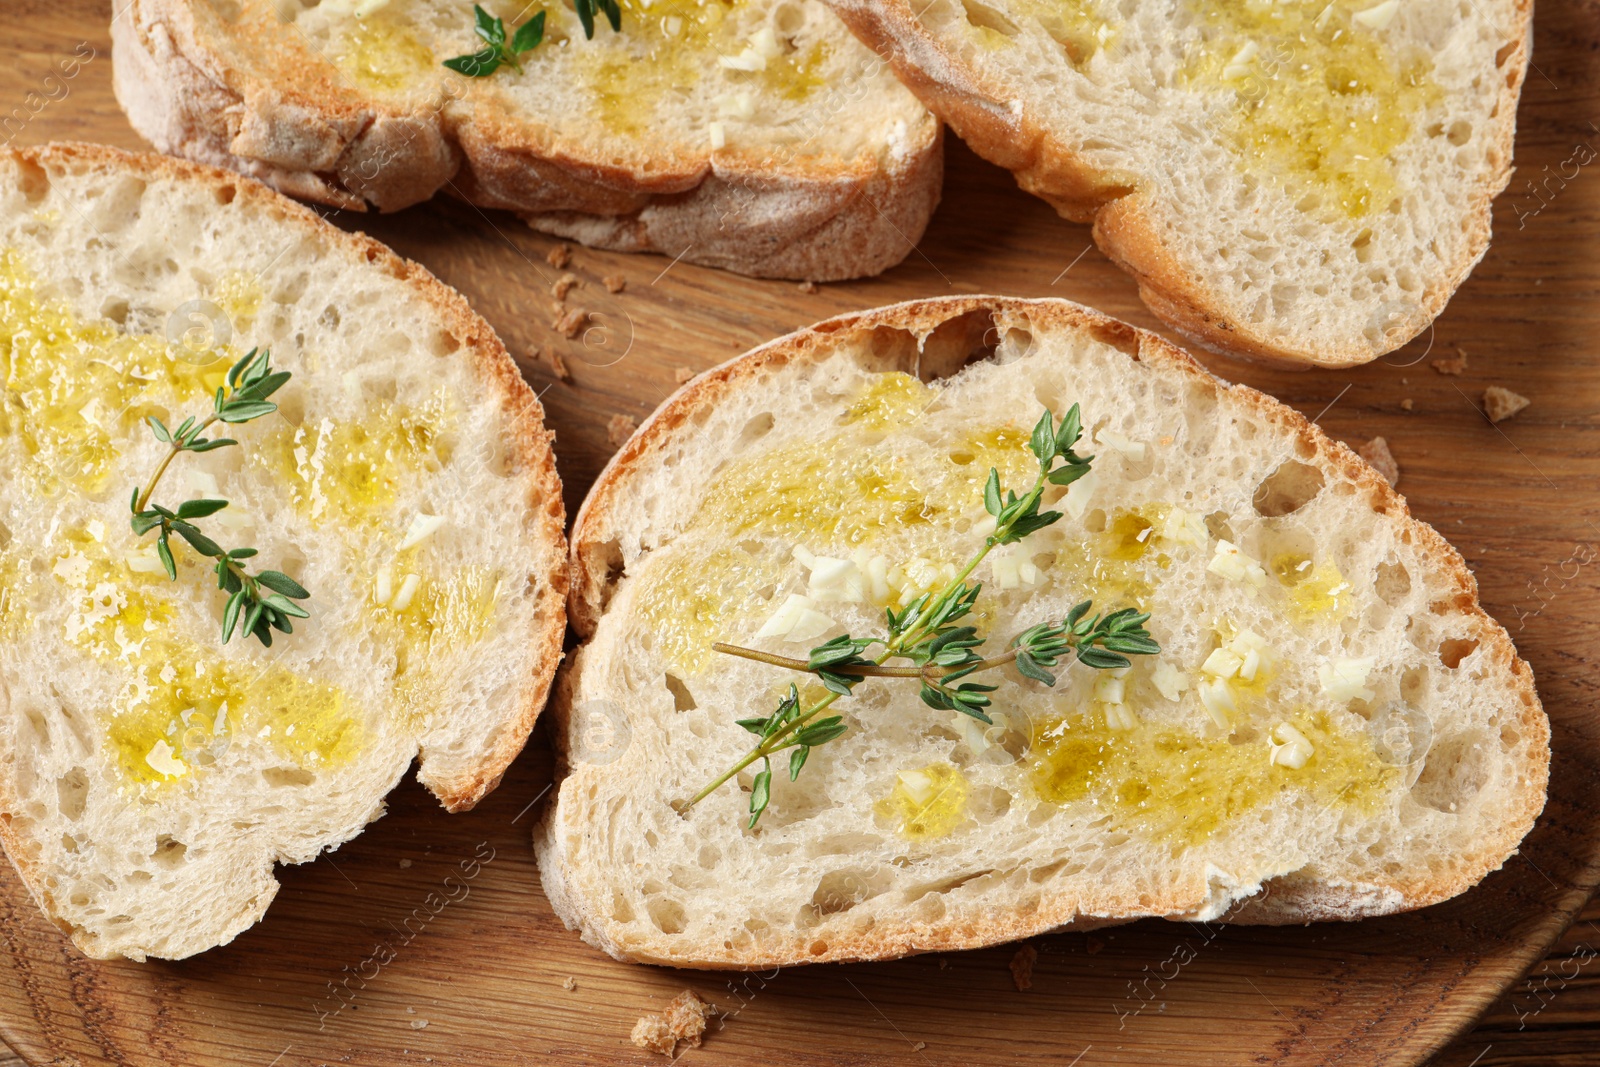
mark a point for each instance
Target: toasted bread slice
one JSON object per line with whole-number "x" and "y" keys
{"x": 754, "y": 135}
{"x": 151, "y": 775}
{"x": 1426, "y": 750}
{"x": 1304, "y": 181}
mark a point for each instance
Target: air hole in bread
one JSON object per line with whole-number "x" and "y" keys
{"x": 72, "y": 792}
{"x": 1504, "y": 53}
{"x": 1453, "y": 650}
{"x": 225, "y": 194}
{"x": 667, "y": 915}
{"x": 621, "y": 909}
{"x": 1220, "y": 526}
{"x": 843, "y": 889}
{"x": 987, "y": 803}
{"x": 36, "y": 720}
{"x": 956, "y": 342}
{"x": 818, "y": 947}
{"x": 1118, "y": 335}
{"x": 754, "y": 430}
{"x": 170, "y": 852}
{"x": 788, "y": 19}
{"x": 289, "y": 290}
{"x": 1286, "y": 490}
{"x": 1392, "y": 583}
{"x": 1095, "y": 521}
{"x": 709, "y": 856}
{"x": 1460, "y": 132}
{"x": 1454, "y": 772}
{"x": 1414, "y": 685}
{"x": 682, "y": 699}
{"x": 32, "y": 180}
{"x": 115, "y": 308}
{"x": 987, "y": 18}
{"x": 286, "y": 777}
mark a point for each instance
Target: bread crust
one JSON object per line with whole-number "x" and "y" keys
{"x": 319, "y": 140}
{"x": 595, "y": 572}
{"x": 1127, "y": 223}
{"x": 528, "y": 444}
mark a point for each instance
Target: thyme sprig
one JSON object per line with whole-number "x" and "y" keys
{"x": 263, "y": 601}
{"x": 940, "y": 653}
{"x": 499, "y": 51}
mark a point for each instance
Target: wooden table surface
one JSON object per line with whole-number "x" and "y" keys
{"x": 1528, "y": 319}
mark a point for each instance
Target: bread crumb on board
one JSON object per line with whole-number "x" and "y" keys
{"x": 682, "y": 375}
{"x": 1500, "y": 403}
{"x": 919, "y": 1046}
{"x": 1453, "y": 367}
{"x": 808, "y": 287}
{"x": 620, "y": 428}
{"x": 683, "y": 1021}
{"x": 559, "y": 256}
{"x": 564, "y": 285}
{"x": 558, "y": 363}
{"x": 569, "y": 324}
{"x": 614, "y": 283}
{"x": 1408, "y": 404}
{"x": 569, "y": 983}
{"x": 1022, "y": 967}
{"x": 1376, "y": 452}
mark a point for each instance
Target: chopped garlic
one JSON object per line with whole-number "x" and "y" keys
{"x": 672, "y": 25}
{"x": 719, "y": 135}
{"x": 1250, "y": 665}
{"x": 1239, "y": 65}
{"x": 1345, "y": 680}
{"x": 1231, "y": 562}
{"x": 383, "y": 586}
{"x": 1109, "y": 690}
{"x": 1076, "y": 502}
{"x": 1134, "y": 450}
{"x": 736, "y": 106}
{"x": 1169, "y": 681}
{"x": 1290, "y": 747}
{"x": 161, "y": 759}
{"x": 422, "y": 527}
{"x": 1379, "y": 16}
{"x": 1217, "y": 699}
{"x": 797, "y": 620}
{"x": 96, "y": 529}
{"x": 1012, "y": 567}
{"x": 765, "y": 41}
{"x": 832, "y": 580}
{"x": 874, "y": 572}
{"x": 748, "y": 60}
{"x": 408, "y": 589}
{"x": 1180, "y": 527}
{"x": 1223, "y": 662}
{"x": 1119, "y": 717}
{"x": 918, "y": 786}
{"x": 972, "y": 732}
{"x": 145, "y": 561}
{"x": 201, "y": 482}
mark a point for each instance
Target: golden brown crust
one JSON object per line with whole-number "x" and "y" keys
{"x": 594, "y": 571}
{"x": 316, "y": 137}
{"x": 1127, "y": 227}
{"x": 529, "y": 444}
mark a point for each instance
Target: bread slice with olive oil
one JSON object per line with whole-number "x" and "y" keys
{"x": 150, "y": 774}
{"x": 755, "y": 135}
{"x": 1304, "y": 181}
{"x": 1333, "y": 727}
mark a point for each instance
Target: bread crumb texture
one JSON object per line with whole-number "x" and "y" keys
{"x": 683, "y": 1022}
{"x": 151, "y": 776}
{"x": 1500, "y": 403}
{"x": 619, "y": 429}
{"x": 1306, "y": 180}
{"x": 1331, "y": 714}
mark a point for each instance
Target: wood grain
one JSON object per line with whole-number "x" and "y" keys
{"x": 357, "y": 962}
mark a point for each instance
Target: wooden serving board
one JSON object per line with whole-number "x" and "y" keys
{"x": 427, "y": 939}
